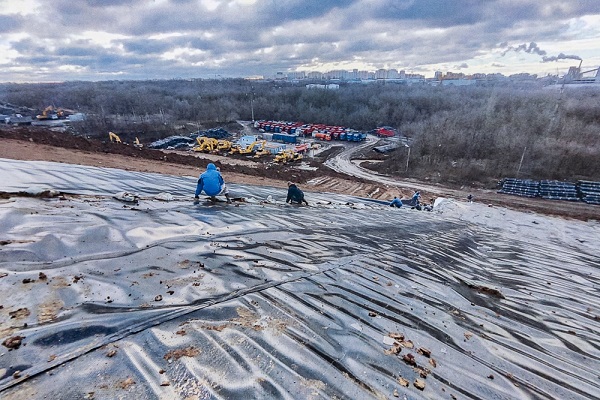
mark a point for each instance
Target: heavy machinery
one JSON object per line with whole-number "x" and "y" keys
{"x": 51, "y": 113}
{"x": 137, "y": 143}
{"x": 206, "y": 144}
{"x": 250, "y": 148}
{"x": 287, "y": 156}
{"x": 264, "y": 151}
{"x": 223, "y": 145}
{"x": 114, "y": 137}
{"x": 301, "y": 148}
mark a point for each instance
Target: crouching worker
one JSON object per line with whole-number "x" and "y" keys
{"x": 212, "y": 183}
{"x": 295, "y": 195}
{"x": 396, "y": 202}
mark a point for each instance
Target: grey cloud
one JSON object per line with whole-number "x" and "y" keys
{"x": 440, "y": 14}
{"x": 10, "y": 23}
{"x": 75, "y": 52}
{"x": 28, "y": 46}
{"x": 146, "y": 46}
{"x": 301, "y": 9}
{"x": 382, "y": 33}
{"x": 104, "y": 3}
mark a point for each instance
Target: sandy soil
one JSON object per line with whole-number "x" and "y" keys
{"x": 44, "y": 145}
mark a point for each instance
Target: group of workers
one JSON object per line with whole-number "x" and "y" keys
{"x": 212, "y": 183}
{"x": 414, "y": 201}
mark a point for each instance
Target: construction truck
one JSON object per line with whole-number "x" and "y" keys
{"x": 114, "y": 137}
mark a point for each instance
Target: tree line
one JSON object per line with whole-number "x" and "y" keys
{"x": 462, "y": 134}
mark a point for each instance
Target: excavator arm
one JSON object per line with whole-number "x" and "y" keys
{"x": 114, "y": 137}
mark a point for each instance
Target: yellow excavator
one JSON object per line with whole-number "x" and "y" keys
{"x": 206, "y": 144}
{"x": 137, "y": 143}
{"x": 114, "y": 137}
{"x": 250, "y": 148}
{"x": 262, "y": 152}
{"x": 51, "y": 113}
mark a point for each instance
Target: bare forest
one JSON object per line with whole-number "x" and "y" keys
{"x": 458, "y": 135}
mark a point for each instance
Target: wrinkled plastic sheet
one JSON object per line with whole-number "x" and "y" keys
{"x": 167, "y": 300}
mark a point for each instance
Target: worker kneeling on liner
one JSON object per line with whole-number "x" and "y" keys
{"x": 212, "y": 183}
{"x": 295, "y": 195}
{"x": 396, "y": 202}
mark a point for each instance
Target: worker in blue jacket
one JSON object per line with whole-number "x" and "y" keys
{"x": 212, "y": 183}
{"x": 396, "y": 202}
{"x": 415, "y": 198}
{"x": 295, "y": 195}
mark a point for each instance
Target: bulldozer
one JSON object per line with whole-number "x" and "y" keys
{"x": 223, "y": 145}
{"x": 287, "y": 156}
{"x": 114, "y": 137}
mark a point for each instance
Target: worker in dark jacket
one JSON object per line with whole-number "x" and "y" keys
{"x": 212, "y": 183}
{"x": 295, "y": 195}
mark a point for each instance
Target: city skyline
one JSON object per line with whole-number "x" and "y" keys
{"x": 43, "y": 40}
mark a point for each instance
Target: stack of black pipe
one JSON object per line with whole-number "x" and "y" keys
{"x": 215, "y": 133}
{"x": 589, "y": 191}
{"x": 520, "y": 187}
{"x": 557, "y": 190}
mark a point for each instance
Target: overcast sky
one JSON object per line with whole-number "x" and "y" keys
{"x": 55, "y": 40}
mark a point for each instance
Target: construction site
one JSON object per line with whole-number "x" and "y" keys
{"x": 117, "y": 283}
{"x": 157, "y": 297}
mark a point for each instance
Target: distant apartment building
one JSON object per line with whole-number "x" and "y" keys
{"x": 523, "y": 77}
{"x": 454, "y": 75}
{"x": 392, "y": 74}
{"x": 363, "y": 75}
{"x": 330, "y": 86}
{"x": 315, "y": 75}
{"x": 296, "y": 75}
